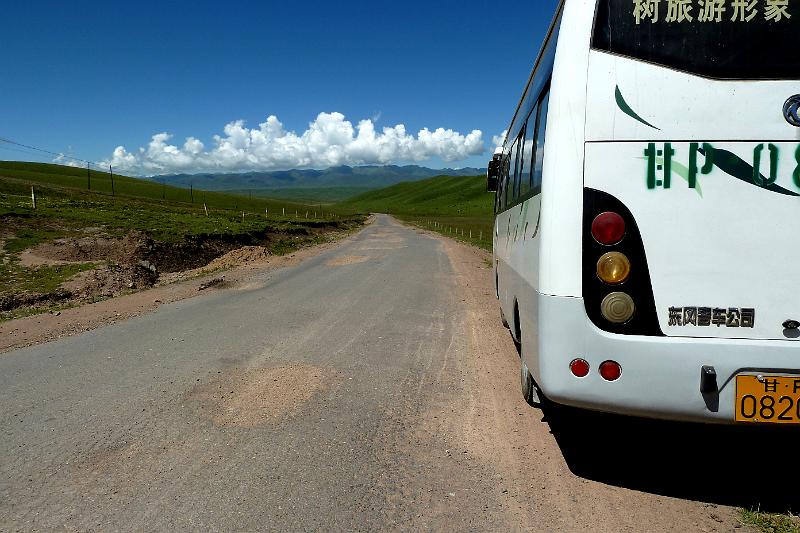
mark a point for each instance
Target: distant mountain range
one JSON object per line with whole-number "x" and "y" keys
{"x": 356, "y": 178}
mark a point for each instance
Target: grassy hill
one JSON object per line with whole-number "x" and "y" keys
{"x": 443, "y": 203}
{"x": 76, "y": 179}
{"x": 316, "y": 195}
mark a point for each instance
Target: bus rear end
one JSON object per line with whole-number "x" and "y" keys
{"x": 691, "y": 214}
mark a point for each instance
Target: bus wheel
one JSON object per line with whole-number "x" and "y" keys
{"x": 529, "y": 391}
{"x": 517, "y": 330}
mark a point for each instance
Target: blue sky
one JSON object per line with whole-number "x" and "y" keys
{"x": 91, "y": 76}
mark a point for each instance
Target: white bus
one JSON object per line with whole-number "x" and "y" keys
{"x": 647, "y": 230}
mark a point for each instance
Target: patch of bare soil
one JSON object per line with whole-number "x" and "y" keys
{"x": 29, "y": 259}
{"x": 96, "y": 248}
{"x": 240, "y": 256}
{"x": 47, "y": 327}
{"x": 347, "y": 260}
{"x": 254, "y": 397}
{"x": 546, "y": 494}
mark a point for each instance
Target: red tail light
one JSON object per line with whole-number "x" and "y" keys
{"x": 579, "y": 368}
{"x": 610, "y": 370}
{"x": 608, "y": 228}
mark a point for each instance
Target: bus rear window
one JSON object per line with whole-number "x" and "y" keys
{"x": 726, "y": 39}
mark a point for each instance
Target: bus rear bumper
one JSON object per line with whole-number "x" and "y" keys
{"x": 661, "y": 376}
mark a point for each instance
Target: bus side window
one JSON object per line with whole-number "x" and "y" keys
{"x": 511, "y": 167}
{"x": 501, "y": 190}
{"x": 541, "y": 128}
{"x": 527, "y": 155}
{"x": 518, "y": 155}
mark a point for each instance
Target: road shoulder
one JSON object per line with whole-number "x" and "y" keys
{"x": 543, "y": 492}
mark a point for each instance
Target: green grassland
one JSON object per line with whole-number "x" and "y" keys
{"x": 449, "y": 205}
{"x": 771, "y": 523}
{"x": 325, "y": 195}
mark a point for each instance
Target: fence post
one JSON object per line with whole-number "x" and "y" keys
{"x": 111, "y": 173}
{"x": 33, "y": 197}
{"x": 480, "y": 238}
{"x": 266, "y": 212}
{"x": 191, "y": 191}
{"x": 283, "y": 211}
{"x": 88, "y": 178}
{"x": 205, "y": 208}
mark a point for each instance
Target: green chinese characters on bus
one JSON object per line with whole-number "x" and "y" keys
{"x": 758, "y": 179}
{"x": 761, "y": 171}
{"x": 796, "y": 174}
{"x": 663, "y": 160}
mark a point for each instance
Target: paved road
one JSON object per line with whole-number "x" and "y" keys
{"x": 283, "y": 404}
{"x": 367, "y": 388}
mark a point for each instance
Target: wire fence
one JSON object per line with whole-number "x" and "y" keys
{"x": 477, "y": 235}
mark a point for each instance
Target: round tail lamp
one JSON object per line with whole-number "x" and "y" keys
{"x": 610, "y": 370}
{"x": 608, "y": 228}
{"x": 613, "y": 268}
{"x": 579, "y": 368}
{"x": 617, "y": 307}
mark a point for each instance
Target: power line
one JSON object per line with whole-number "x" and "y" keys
{"x": 49, "y": 152}
{"x": 16, "y": 149}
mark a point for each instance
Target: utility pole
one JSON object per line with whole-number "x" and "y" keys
{"x": 191, "y": 191}
{"x": 111, "y": 173}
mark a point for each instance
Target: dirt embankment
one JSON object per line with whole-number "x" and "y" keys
{"x": 137, "y": 261}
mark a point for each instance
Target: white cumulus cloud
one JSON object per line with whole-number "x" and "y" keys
{"x": 498, "y": 141}
{"x": 330, "y": 140}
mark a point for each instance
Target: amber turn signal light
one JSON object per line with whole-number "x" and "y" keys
{"x": 613, "y": 268}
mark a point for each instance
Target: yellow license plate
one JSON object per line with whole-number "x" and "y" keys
{"x": 768, "y": 399}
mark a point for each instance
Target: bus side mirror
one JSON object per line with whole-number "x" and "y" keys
{"x": 491, "y": 184}
{"x": 492, "y": 174}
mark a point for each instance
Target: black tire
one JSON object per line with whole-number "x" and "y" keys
{"x": 517, "y": 331}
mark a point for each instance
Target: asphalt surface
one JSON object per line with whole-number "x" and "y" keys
{"x": 167, "y": 421}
